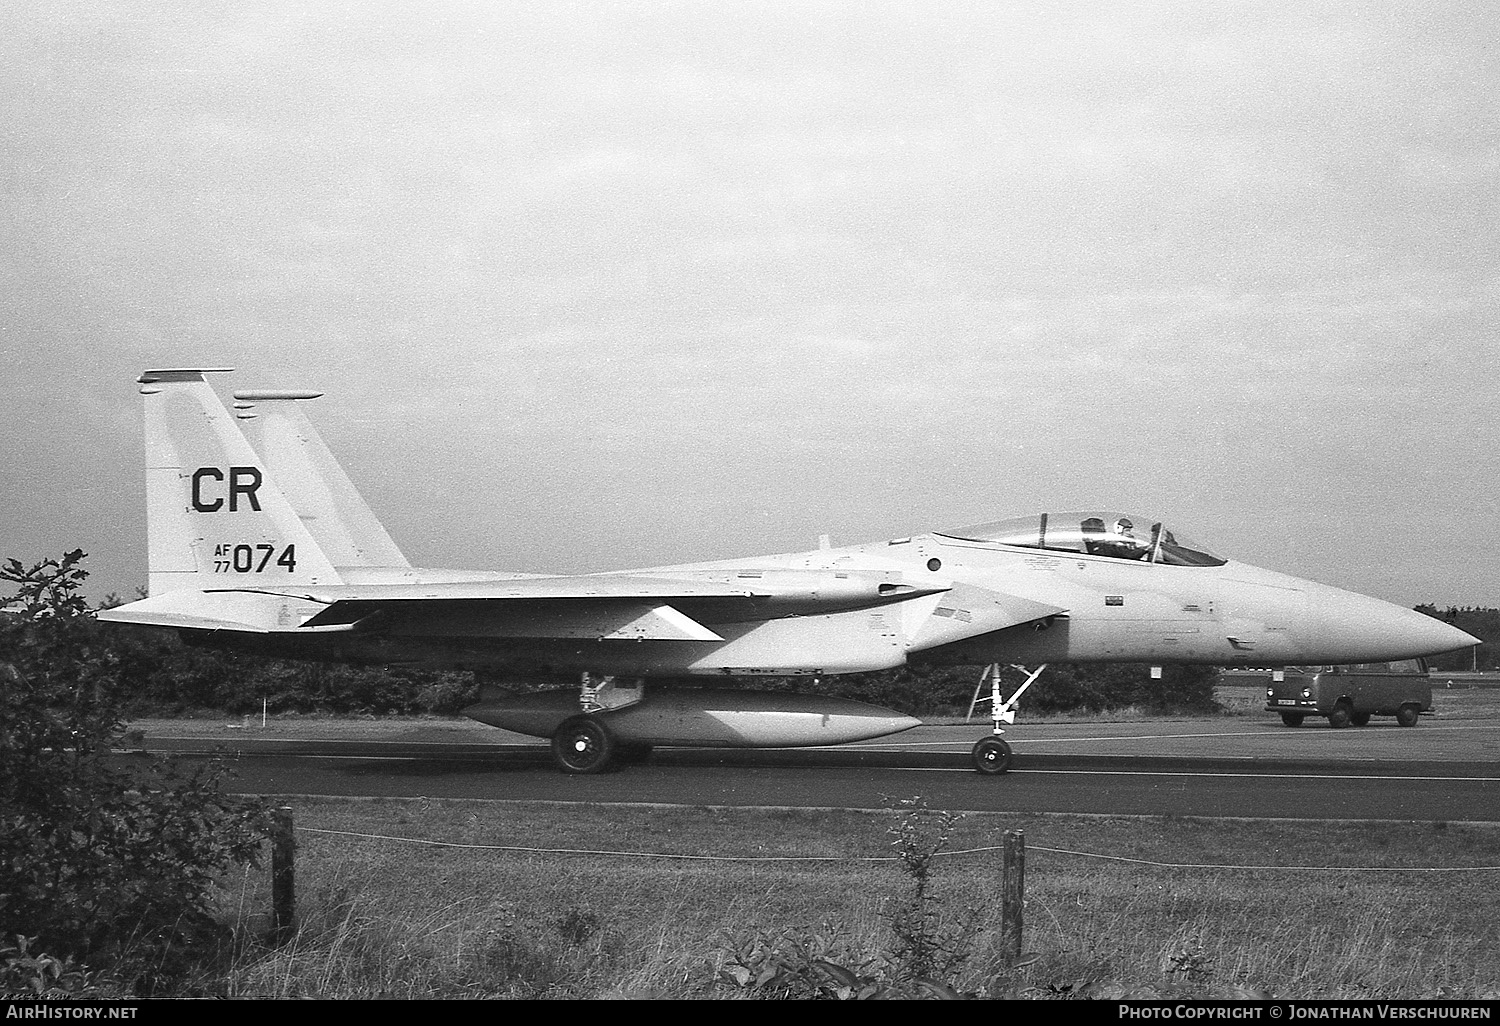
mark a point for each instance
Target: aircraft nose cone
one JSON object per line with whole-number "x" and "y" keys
{"x": 1378, "y": 630}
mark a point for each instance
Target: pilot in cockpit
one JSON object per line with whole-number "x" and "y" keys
{"x": 1126, "y": 544}
{"x": 1117, "y": 542}
{"x": 1120, "y": 543}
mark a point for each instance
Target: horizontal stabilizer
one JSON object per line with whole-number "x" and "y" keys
{"x": 167, "y": 618}
{"x": 245, "y": 611}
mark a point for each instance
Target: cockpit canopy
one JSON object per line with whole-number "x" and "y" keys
{"x": 1117, "y": 535}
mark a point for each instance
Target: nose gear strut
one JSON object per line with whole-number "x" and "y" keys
{"x": 992, "y": 754}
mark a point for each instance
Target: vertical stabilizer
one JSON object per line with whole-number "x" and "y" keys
{"x": 214, "y": 515}
{"x": 313, "y": 482}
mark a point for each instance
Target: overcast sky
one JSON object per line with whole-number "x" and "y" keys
{"x": 599, "y": 285}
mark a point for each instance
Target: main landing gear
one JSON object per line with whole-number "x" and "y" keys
{"x": 584, "y": 744}
{"x": 992, "y": 755}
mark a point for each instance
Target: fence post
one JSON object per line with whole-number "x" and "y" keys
{"x": 1012, "y": 893}
{"x": 283, "y": 875}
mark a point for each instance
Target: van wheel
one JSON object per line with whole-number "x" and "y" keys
{"x": 1408, "y": 715}
{"x": 1360, "y": 719}
{"x": 1292, "y": 719}
{"x": 1341, "y": 716}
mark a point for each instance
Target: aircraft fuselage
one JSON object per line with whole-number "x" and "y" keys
{"x": 830, "y": 617}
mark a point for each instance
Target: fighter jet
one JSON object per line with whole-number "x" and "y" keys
{"x": 276, "y": 552}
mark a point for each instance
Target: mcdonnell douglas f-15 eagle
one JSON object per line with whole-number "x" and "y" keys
{"x": 271, "y": 549}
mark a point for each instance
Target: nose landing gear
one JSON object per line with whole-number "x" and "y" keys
{"x": 992, "y": 755}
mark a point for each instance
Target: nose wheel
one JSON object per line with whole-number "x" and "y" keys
{"x": 991, "y": 756}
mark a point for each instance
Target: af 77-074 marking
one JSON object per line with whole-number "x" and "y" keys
{"x": 274, "y": 551}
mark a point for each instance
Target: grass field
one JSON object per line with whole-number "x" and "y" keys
{"x": 1208, "y": 909}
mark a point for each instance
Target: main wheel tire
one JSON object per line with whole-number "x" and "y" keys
{"x": 583, "y": 745}
{"x": 1341, "y": 716}
{"x": 1408, "y": 715}
{"x": 1360, "y": 719}
{"x": 1292, "y": 719}
{"x": 991, "y": 756}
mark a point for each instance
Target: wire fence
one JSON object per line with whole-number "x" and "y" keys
{"x": 957, "y": 852}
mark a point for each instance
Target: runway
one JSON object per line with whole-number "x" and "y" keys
{"x": 1222, "y": 767}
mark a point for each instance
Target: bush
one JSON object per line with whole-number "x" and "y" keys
{"x": 100, "y": 863}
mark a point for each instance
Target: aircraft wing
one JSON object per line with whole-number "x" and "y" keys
{"x": 604, "y": 607}
{"x": 546, "y": 607}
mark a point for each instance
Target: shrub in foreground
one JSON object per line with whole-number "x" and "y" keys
{"x": 110, "y": 865}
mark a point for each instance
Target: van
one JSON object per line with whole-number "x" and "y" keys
{"x": 1352, "y": 694}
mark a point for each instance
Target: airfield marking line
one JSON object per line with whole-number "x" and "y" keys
{"x": 330, "y": 758}
{"x": 1094, "y": 738}
{"x": 1216, "y": 773}
{"x": 1064, "y": 772}
{"x": 239, "y": 754}
{"x": 1295, "y": 869}
{"x": 958, "y": 769}
{"x": 321, "y": 741}
{"x": 1310, "y": 736}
